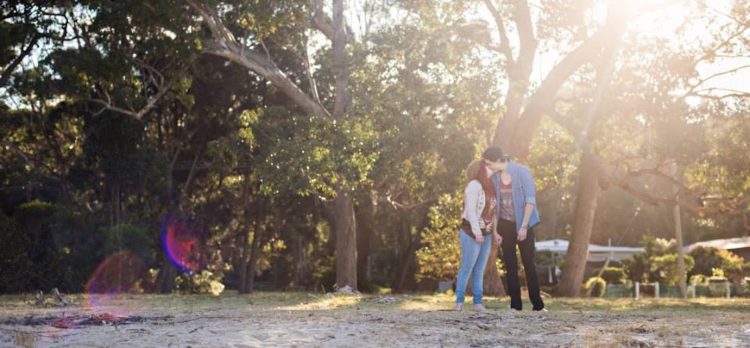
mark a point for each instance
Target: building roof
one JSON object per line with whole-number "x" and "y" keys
{"x": 596, "y": 252}
{"x": 726, "y": 244}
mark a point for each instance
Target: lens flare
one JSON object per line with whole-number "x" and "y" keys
{"x": 118, "y": 275}
{"x": 181, "y": 244}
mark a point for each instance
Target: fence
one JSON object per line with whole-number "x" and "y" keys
{"x": 656, "y": 290}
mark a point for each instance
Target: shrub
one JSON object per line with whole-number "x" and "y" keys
{"x": 614, "y": 275}
{"x": 595, "y": 286}
{"x": 440, "y": 256}
{"x": 698, "y": 279}
{"x": 708, "y": 259}
{"x": 14, "y": 259}
{"x": 131, "y": 238}
{"x": 665, "y": 267}
{"x": 636, "y": 269}
{"x": 205, "y": 282}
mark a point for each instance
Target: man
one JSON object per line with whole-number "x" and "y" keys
{"x": 517, "y": 215}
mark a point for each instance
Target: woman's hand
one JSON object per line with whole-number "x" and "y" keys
{"x": 479, "y": 238}
{"x": 498, "y": 238}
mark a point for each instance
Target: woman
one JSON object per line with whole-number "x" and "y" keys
{"x": 479, "y": 222}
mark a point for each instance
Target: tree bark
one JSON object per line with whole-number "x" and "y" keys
{"x": 167, "y": 273}
{"x": 407, "y": 265}
{"x": 253, "y": 263}
{"x": 587, "y": 196}
{"x": 245, "y": 230}
{"x": 345, "y": 220}
{"x": 516, "y": 134}
{"x": 365, "y": 215}
{"x": 346, "y": 241}
{"x": 225, "y": 45}
{"x": 493, "y": 283}
{"x": 8, "y": 72}
{"x": 255, "y": 249}
{"x": 589, "y": 174}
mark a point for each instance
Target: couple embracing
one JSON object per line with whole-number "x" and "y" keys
{"x": 499, "y": 205}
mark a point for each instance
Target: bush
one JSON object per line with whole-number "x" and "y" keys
{"x": 708, "y": 259}
{"x": 595, "y": 286}
{"x": 49, "y": 260}
{"x": 14, "y": 259}
{"x": 131, "y": 238}
{"x": 665, "y": 267}
{"x": 636, "y": 269}
{"x": 614, "y": 275}
{"x": 34, "y": 211}
{"x": 698, "y": 279}
{"x": 440, "y": 256}
{"x": 205, "y": 282}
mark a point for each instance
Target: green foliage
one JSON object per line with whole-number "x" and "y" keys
{"x": 205, "y": 282}
{"x": 595, "y": 287}
{"x": 665, "y": 267}
{"x": 637, "y": 268}
{"x": 440, "y": 256}
{"x": 708, "y": 260}
{"x": 659, "y": 246}
{"x": 34, "y": 211}
{"x": 137, "y": 240}
{"x": 427, "y": 95}
{"x": 14, "y": 259}
{"x": 698, "y": 279}
{"x": 614, "y": 275}
{"x": 328, "y": 155}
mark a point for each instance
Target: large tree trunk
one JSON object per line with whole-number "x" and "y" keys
{"x": 242, "y": 285}
{"x": 345, "y": 220}
{"x": 407, "y": 260}
{"x": 517, "y": 128}
{"x": 253, "y": 263}
{"x": 245, "y": 231}
{"x": 589, "y": 181}
{"x": 365, "y": 231}
{"x": 586, "y": 201}
{"x": 493, "y": 283}
{"x": 258, "y": 233}
{"x": 407, "y": 266}
{"x": 167, "y": 273}
{"x": 115, "y": 203}
{"x": 346, "y": 240}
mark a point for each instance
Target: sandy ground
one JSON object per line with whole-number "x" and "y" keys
{"x": 309, "y": 320}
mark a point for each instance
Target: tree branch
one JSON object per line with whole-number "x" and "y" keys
{"x": 707, "y": 78}
{"x": 544, "y": 96}
{"x": 321, "y": 21}
{"x": 224, "y": 45}
{"x": 504, "y": 46}
{"x": 12, "y": 66}
{"x": 526, "y": 37}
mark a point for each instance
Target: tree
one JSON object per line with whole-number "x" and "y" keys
{"x": 257, "y": 59}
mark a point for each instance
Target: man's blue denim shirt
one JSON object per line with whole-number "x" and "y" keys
{"x": 524, "y": 191}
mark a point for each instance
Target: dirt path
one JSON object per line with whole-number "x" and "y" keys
{"x": 363, "y": 321}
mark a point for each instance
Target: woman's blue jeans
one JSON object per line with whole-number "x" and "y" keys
{"x": 473, "y": 260}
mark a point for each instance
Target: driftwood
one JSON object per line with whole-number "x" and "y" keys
{"x": 40, "y": 300}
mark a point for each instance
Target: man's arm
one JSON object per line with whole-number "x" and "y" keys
{"x": 529, "y": 193}
{"x": 528, "y": 209}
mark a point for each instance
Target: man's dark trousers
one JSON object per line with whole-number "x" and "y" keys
{"x": 507, "y": 230}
